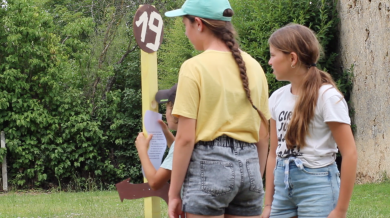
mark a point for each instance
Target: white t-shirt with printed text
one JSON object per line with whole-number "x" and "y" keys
{"x": 320, "y": 149}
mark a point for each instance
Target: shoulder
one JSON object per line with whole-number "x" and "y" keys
{"x": 193, "y": 64}
{"x": 247, "y": 56}
{"x": 331, "y": 98}
{"x": 329, "y": 91}
{"x": 200, "y": 58}
{"x": 254, "y": 69}
{"x": 249, "y": 60}
{"x": 279, "y": 92}
{"x": 189, "y": 68}
{"x": 189, "y": 62}
{"x": 276, "y": 95}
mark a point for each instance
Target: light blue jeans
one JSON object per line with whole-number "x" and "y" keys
{"x": 302, "y": 191}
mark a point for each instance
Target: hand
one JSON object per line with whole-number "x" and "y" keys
{"x": 337, "y": 214}
{"x": 174, "y": 208}
{"x": 266, "y": 212}
{"x": 142, "y": 143}
{"x": 163, "y": 125}
{"x": 165, "y": 129}
{"x": 168, "y": 135}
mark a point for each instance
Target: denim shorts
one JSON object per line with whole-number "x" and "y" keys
{"x": 310, "y": 192}
{"x": 223, "y": 177}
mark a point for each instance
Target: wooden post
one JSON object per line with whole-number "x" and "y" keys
{"x": 149, "y": 89}
{"x": 149, "y": 36}
{"x": 4, "y": 165}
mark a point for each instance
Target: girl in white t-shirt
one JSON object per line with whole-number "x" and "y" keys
{"x": 309, "y": 122}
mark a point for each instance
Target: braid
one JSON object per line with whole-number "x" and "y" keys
{"x": 228, "y": 38}
{"x": 225, "y": 31}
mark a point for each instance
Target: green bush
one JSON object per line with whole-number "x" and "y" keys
{"x": 256, "y": 20}
{"x": 54, "y": 130}
{"x": 70, "y": 92}
{"x": 71, "y": 112}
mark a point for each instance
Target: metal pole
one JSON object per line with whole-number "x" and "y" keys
{"x": 4, "y": 164}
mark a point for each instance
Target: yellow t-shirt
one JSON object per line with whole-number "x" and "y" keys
{"x": 210, "y": 90}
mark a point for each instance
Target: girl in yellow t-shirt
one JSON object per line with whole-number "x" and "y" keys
{"x": 222, "y": 98}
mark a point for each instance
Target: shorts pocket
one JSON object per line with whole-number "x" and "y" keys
{"x": 217, "y": 177}
{"x": 253, "y": 167}
{"x": 338, "y": 178}
{"x": 316, "y": 171}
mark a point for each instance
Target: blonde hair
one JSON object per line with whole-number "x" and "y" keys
{"x": 303, "y": 41}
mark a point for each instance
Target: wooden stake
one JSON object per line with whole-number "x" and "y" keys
{"x": 4, "y": 165}
{"x": 149, "y": 89}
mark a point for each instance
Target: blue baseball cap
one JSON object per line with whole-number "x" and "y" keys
{"x": 209, "y": 9}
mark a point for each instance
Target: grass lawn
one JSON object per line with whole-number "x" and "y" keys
{"x": 368, "y": 201}
{"x": 81, "y": 204}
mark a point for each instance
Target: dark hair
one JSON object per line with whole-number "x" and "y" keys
{"x": 301, "y": 40}
{"x": 170, "y": 105}
{"x": 224, "y": 30}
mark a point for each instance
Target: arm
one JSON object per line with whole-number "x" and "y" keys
{"x": 262, "y": 147}
{"x": 271, "y": 162}
{"x": 168, "y": 135}
{"x": 343, "y": 136}
{"x": 184, "y": 145}
{"x": 156, "y": 178}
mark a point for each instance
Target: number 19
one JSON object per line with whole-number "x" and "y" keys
{"x": 143, "y": 19}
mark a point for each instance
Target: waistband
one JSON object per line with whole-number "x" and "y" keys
{"x": 285, "y": 162}
{"x": 292, "y": 161}
{"x": 280, "y": 162}
{"x": 224, "y": 141}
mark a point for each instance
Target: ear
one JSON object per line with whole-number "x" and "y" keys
{"x": 198, "y": 24}
{"x": 293, "y": 58}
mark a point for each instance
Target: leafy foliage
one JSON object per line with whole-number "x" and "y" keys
{"x": 256, "y": 20}
{"x": 70, "y": 91}
{"x": 176, "y": 49}
{"x": 70, "y": 96}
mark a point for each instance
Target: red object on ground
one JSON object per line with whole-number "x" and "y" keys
{"x": 130, "y": 191}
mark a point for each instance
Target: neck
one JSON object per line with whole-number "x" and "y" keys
{"x": 297, "y": 81}
{"x": 213, "y": 43}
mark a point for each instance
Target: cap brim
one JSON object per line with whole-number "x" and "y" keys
{"x": 162, "y": 96}
{"x": 175, "y": 13}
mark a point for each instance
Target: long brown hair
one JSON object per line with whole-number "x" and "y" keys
{"x": 225, "y": 31}
{"x": 301, "y": 40}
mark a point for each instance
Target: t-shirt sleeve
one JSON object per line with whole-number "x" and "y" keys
{"x": 335, "y": 109}
{"x": 272, "y": 100}
{"x": 167, "y": 163}
{"x": 187, "y": 94}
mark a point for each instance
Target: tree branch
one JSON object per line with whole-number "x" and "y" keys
{"x": 67, "y": 37}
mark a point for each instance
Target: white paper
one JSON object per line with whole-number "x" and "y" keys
{"x": 158, "y": 144}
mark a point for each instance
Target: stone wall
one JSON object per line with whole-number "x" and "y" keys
{"x": 365, "y": 43}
